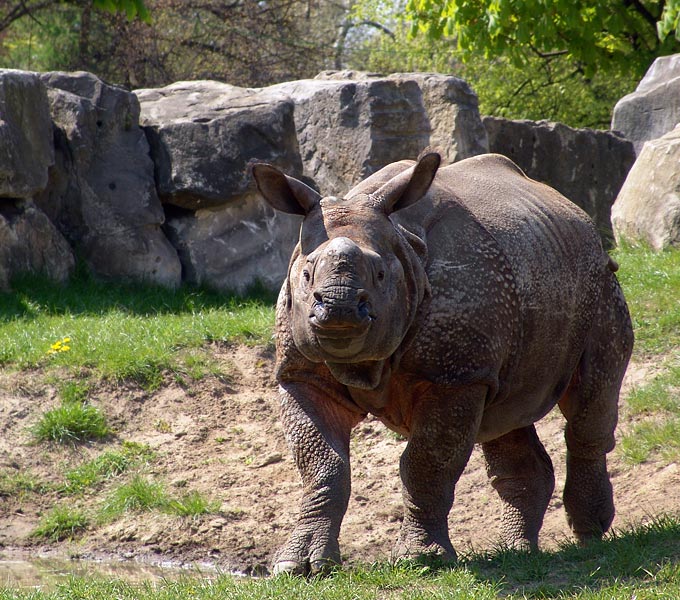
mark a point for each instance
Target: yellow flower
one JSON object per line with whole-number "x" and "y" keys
{"x": 60, "y": 346}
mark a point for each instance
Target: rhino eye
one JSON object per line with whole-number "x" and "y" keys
{"x": 381, "y": 275}
{"x": 305, "y": 275}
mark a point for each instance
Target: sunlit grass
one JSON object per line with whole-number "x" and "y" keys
{"x": 60, "y": 523}
{"x": 125, "y": 332}
{"x": 107, "y": 465}
{"x": 138, "y": 495}
{"x": 71, "y": 422}
{"x": 651, "y": 283}
{"x": 641, "y": 563}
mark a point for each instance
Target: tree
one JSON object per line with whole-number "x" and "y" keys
{"x": 592, "y": 34}
{"x": 156, "y": 42}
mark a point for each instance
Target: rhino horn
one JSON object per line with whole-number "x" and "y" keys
{"x": 410, "y": 186}
{"x": 282, "y": 192}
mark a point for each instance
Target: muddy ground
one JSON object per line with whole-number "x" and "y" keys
{"x": 222, "y": 438}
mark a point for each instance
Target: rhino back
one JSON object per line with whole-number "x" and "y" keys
{"x": 515, "y": 271}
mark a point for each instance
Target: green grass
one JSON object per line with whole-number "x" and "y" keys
{"x": 61, "y": 523}
{"x": 651, "y": 283}
{"x": 107, "y": 465}
{"x": 17, "y": 483}
{"x": 641, "y": 563}
{"x": 141, "y": 494}
{"x": 138, "y": 495}
{"x": 125, "y": 332}
{"x": 71, "y": 422}
{"x": 192, "y": 504}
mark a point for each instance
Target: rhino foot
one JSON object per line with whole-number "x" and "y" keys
{"x": 304, "y": 556}
{"x": 305, "y": 568}
{"x": 424, "y": 550}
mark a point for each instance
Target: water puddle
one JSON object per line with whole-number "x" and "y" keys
{"x": 46, "y": 573}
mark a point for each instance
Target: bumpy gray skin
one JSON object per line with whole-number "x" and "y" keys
{"x": 457, "y": 305}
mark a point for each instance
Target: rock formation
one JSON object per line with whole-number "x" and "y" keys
{"x": 648, "y": 207}
{"x": 587, "y": 166}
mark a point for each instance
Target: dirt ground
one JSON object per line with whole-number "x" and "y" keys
{"x": 223, "y": 439}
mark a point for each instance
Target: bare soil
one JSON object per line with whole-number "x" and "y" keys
{"x": 222, "y": 438}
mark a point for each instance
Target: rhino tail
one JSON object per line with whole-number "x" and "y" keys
{"x": 612, "y": 265}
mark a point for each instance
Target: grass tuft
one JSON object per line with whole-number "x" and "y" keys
{"x": 72, "y": 422}
{"x": 138, "y": 495}
{"x": 61, "y": 523}
{"x": 105, "y": 466}
{"x": 193, "y": 504}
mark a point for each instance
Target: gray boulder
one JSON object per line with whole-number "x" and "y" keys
{"x": 29, "y": 242}
{"x": 26, "y": 150}
{"x": 587, "y": 166}
{"x": 647, "y": 208}
{"x": 457, "y": 131}
{"x": 102, "y": 194}
{"x": 350, "y": 124}
{"x": 203, "y": 134}
{"x": 653, "y": 109}
{"x": 232, "y": 247}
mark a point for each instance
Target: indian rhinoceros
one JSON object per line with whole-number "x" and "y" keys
{"x": 459, "y": 306}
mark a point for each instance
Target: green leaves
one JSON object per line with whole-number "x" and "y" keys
{"x": 593, "y": 34}
{"x": 132, "y": 8}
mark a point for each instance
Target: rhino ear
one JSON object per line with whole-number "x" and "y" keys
{"x": 410, "y": 186}
{"x": 284, "y": 193}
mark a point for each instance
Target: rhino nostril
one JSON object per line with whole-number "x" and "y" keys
{"x": 363, "y": 310}
{"x": 318, "y": 297}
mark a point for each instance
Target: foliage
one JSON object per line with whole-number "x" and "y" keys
{"x": 641, "y": 562}
{"x": 593, "y": 34}
{"x": 131, "y": 8}
{"x": 156, "y": 42}
{"x": 540, "y": 89}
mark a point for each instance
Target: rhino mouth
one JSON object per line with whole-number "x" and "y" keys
{"x": 342, "y": 342}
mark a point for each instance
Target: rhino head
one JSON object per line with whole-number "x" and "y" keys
{"x": 355, "y": 279}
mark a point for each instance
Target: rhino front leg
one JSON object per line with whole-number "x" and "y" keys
{"x": 443, "y": 431}
{"x": 521, "y": 471}
{"x": 318, "y": 431}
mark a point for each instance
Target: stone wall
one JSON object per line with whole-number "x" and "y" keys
{"x": 154, "y": 185}
{"x": 587, "y": 166}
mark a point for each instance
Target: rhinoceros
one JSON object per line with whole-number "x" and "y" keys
{"x": 458, "y": 305}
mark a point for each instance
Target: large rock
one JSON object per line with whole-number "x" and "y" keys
{"x": 29, "y": 242}
{"x": 231, "y": 248}
{"x": 102, "y": 194}
{"x": 351, "y": 124}
{"x": 648, "y": 207}
{"x": 26, "y": 150}
{"x": 333, "y": 130}
{"x": 203, "y": 134}
{"x": 457, "y": 131}
{"x": 653, "y": 109}
{"x": 587, "y": 166}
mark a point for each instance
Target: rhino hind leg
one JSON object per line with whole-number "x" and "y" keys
{"x": 590, "y": 406}
{"x": 521, "y": 471}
